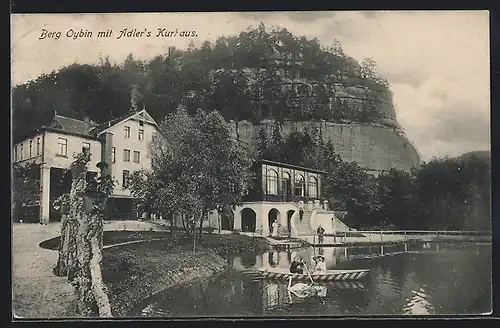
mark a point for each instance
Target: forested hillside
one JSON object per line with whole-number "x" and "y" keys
{"x": 255, "y": 75}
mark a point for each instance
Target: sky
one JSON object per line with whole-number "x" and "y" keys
{"x": 437, "y": 62}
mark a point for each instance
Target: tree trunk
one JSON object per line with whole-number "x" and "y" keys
{"x": 201, "y": 223}
{"x": 81, "y": 248}
{"x": 98, "y": 286}
{"x": 61, "y": 268}
{"x": 184, "y": 223}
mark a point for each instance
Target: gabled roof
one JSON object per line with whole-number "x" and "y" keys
{"x": 104, "y": 126}
{"x": 139, "y": 115}
{"x": 73, "y": 126}
{"x": 68, "y": 124}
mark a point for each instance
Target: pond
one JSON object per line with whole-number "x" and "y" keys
{"x": 418, "y": 279}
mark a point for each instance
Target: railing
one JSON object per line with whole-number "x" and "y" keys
{"x": 378, "y": 236}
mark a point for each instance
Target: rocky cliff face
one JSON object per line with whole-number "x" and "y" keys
{"x": 374, "y": 147}
{"x": 356, "y": 114}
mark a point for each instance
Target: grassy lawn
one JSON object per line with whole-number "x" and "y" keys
{"x": 113, "y": 237}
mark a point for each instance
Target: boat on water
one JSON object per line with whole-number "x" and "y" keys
{"x": 330, "y": 275}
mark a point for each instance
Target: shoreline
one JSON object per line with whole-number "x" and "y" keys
{"x": 401, "y": 242}
{"x": 136, "y": 272}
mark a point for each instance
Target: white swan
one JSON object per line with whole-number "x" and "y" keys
{"x": 300, "y": 289}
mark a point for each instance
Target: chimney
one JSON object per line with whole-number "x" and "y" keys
{"x": 86, "y": 122}
{"x": 134, "y": 99}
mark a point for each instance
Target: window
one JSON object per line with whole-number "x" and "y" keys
{"x": 299, "y": 186}
{"x": 312, "y": 187}
{"x": 113, "y": 155}
{"x": 137, "y": 156}
{"x": 86, "y": 148}
{"x": 126, "y": 155}
{"x": 125, "y": 177}
{"x": 141, "y": 123}
{"x": 153, "y": 136}
{"x": 141, "y": 134}
{"x": 287, "y": 184}
{"x": 127, "y": 132}
{"x": 31, "y": 148}
{"x": 272, "y": 182}
{"x": 63, "y": 147}
{"x": 22, "y": 151}
{"x": 38, "y": 146}
{"x": 15, "y": 152}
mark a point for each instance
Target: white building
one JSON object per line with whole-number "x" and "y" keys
{"x": 123, "y": 143}
{"x": 288, "y": 194}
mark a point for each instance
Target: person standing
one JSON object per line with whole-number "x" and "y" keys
{"x": 320, "y": 232}
{"x": 275, "y": 228}
{"x": 301, "y": 211}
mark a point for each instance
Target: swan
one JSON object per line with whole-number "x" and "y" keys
{"x": 300, "y": 289}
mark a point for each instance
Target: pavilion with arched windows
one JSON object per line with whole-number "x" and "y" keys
{"x": 279, "y": 191}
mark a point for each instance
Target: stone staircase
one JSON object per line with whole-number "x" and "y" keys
{"x": 303, "y": 227}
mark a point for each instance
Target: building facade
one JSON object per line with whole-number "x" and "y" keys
{"x": 288, "y": 194}
{"x": 123, "y": 143}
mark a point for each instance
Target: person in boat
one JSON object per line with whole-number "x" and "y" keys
{"x": 320, "y": 266}
{"x": 297, "y": 266}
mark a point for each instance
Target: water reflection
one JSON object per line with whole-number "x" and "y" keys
{"x": 413, "y": 279}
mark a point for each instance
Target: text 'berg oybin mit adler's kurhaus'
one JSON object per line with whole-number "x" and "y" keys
{"x": 125, "y": 33}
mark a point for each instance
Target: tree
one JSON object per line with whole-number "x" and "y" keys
{"x": 337, "y": 49}
{"x": 396, "y": 198}
{"x": 80, "y": 249}
{"x": 197, "y": 166}
{"x": 347, "y": 186}
{"x": 25, "y": 188}
{"x": 275, "y": 151}
{"x": 368, "y": 69}
{"x": 454, "y": 193}
{"x": 331, "y": 159}
{"x": 262, "y": 144}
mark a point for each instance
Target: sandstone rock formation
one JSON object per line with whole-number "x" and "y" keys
{"x": 374, "y": 147}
